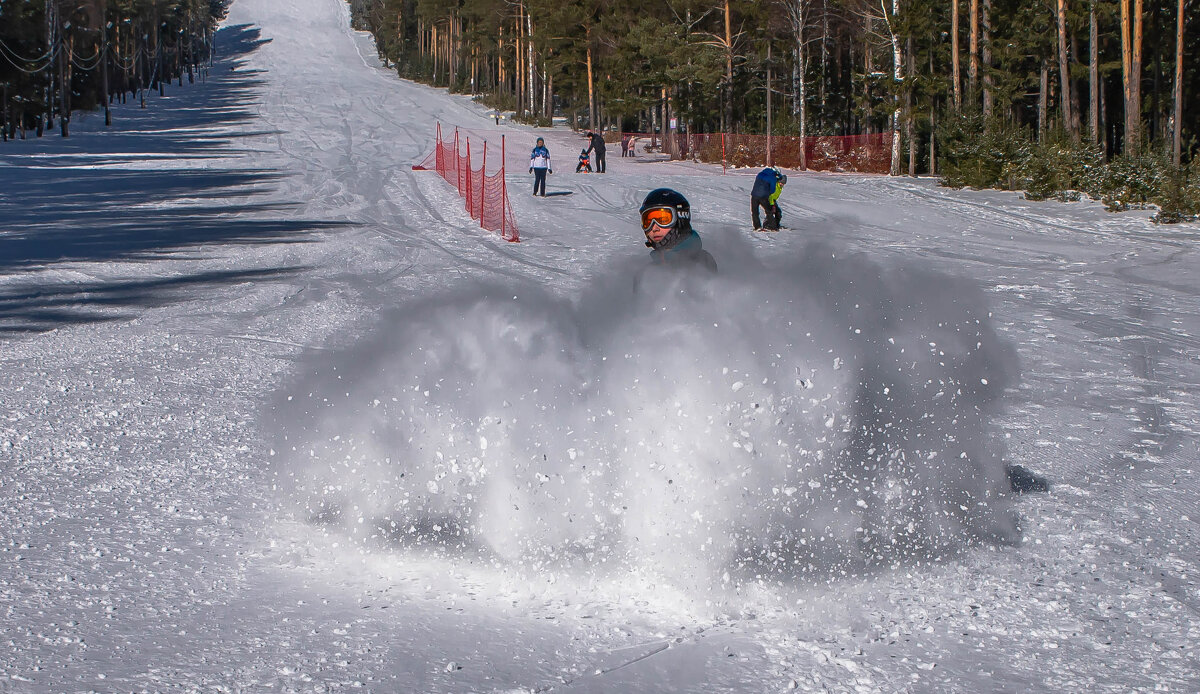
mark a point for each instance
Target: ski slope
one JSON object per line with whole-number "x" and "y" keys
{"x": 228, "y": 327}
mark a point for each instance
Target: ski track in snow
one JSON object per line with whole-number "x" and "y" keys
{"x": 164, "y": 283}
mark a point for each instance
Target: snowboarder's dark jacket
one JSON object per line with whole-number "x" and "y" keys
{"x": 687, "y": 253}
{"x": 764, "y": 184}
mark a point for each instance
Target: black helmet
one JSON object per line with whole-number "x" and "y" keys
{"x": 672, "y": 200}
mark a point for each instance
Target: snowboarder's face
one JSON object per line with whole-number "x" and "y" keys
{"x": 657, "y": 222}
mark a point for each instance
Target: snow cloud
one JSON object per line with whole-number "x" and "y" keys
{"x": 821, "y": 416}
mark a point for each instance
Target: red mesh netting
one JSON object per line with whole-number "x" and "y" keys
{"x": 485, "y": 196}
{"x": 852, "y": 153}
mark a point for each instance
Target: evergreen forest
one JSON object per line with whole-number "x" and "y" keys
{"x": 59, "y": 56}
{"x": 1056, "y": 97}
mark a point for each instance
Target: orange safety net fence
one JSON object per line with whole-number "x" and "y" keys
{"x": 485, "y": 196}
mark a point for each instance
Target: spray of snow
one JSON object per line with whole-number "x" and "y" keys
{"x": 823, "y": 416}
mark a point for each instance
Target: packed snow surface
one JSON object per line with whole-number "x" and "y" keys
{"x": 277, "y": 416}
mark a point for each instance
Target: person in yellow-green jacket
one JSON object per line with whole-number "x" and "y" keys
{"x": 774, "y": 214}
{"x": 765, "y": 194}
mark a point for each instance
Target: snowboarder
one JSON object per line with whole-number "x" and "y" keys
{"x": 585, "y": 164}
{"x": 539, "y": 165}
{"x": 667, "y": 223}
{"x": 765, "y": 194}
{"x": 597, "y": 145}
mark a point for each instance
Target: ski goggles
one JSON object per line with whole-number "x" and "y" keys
{"x": 662, "y": 216}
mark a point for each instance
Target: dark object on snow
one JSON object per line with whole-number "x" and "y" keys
{"x": 1024, "y": 481}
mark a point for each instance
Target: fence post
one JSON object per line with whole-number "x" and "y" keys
{"x": 723, "y": 160}
{"x": 503, "y": 189}
{"x": 470, "y": 202}
{"x": 483, "y": 187}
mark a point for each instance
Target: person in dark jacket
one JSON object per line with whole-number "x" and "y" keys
{"x": 765, "y": 194}
{"x": 667, "y": 224}
{"x": 539, "y": 165}
{"x": 597, "y": 146}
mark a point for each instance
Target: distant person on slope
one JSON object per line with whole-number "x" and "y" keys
{"x": 597, "y": 146}
{"x": 667, "y": 223}
{"x": 539, "y": 165}
{"x": 765, "y": 194}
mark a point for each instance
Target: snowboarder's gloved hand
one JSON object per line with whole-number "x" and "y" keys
{"x": 551, "y": 170}
{"x": 531, "y": 169}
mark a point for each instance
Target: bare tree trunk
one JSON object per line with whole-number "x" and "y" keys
{"x": 932, "y": 138}
{"x": 1093, "y": 74}
{"x": 869, "y": 67}
{"x": 956, "y": 74}
{"x": 1076, "y": 105}
{"x": 770, "y": 159}
{"x": 103, "y": 47}
{"x": 728, "y": 71}
{"x": 898, "y": 79}
{"x": 529, "y": 58}
{"x": 932, "y": 125}
{"x": 51, "y": 21}
{"x": 1157, "y": 129}
{"x": 798, "y": 15}
{"x": 909, "y": 116}
{"x": 668, "y": 131}
{"x": 1105, "y": 138}
{"x": 655, "y": 124}
{"x": 1064, "y": 74}
{"x": 519, "y": 61}
{"x": 1131, "y": 64}
{"x": 1177, "y": 116}
{"x": 973, "y": 58}
{"x": 121, "y": 62}
{"x": 591, "y": 83}
{"x": 1043, "y": 101}
{"x": 986, "y": 57}
{"x": 825, "y": 52}
{"x": 64, "y": 81}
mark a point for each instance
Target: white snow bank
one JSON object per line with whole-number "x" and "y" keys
{"x": 770, "y": 421}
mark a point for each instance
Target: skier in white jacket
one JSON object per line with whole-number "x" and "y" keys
{"x": 539, "y": 165}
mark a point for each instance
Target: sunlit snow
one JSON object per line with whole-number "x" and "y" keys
{"x": 276, "y": 415}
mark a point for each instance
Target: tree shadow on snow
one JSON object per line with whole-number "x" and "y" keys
{"x": 95, "y": 198}
{"x": 42, "y": 308}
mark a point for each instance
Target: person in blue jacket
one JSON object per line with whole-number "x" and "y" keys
{"x": 667, "y": 223}
{"x": 539, "y": 165}
{"x": 765, "y": 194}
